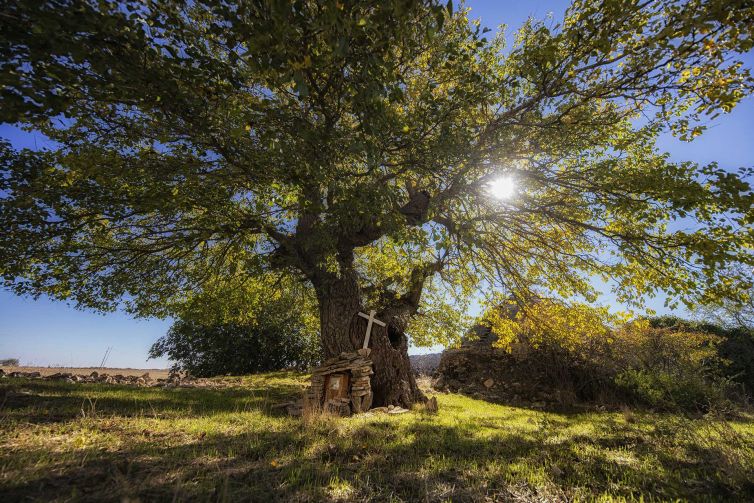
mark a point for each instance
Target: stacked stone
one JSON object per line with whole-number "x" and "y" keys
{"x": 359, "y": 398}
{"x": 361, "y": 389}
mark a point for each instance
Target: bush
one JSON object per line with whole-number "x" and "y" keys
{"x": 9, "y": 362}
{"x": 735, "y": 348}
{"x": 669, "y": 368}
{"x": 667, "y": 390}
{"x": 650, "y": 362}
{"x": 243, "y": 325}
{"x": 237, "y": 348}
{"x": 567, "y": 345}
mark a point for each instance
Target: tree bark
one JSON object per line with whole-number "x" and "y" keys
{"x": 342, "y": 329}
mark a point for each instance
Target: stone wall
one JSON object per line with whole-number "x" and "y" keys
{"x": 358, "y": 399}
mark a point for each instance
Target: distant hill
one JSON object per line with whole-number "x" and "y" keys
{"x": 425, "y": 364}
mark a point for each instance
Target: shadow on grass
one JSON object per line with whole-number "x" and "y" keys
{"x": 38, "y": 401}
{"x": 381, "y": 459}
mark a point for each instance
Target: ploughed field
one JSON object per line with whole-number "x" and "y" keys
{"x": 64, "y": 441}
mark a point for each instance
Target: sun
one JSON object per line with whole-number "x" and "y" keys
{"x": 502, "y": 188}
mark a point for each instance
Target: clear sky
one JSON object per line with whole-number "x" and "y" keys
{"x": 44, "y": 332}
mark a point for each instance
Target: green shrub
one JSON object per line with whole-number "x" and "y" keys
{"x": 735, "y": 348}
{"x": 663, "y": 363}
{"x": 237, "y": 348}
{"x": 669, "y": 368}
{"x": 667, "y": 390}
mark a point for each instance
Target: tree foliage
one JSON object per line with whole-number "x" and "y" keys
{"x": 243, "y": 325}
{"x": 735, "y": 346}
{"x": 587, "y": 353}
{"x": 191, "y": 142}
{"x": 235, "y": 348}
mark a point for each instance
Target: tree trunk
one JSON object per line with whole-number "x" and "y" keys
{"x": 342, "y": 329}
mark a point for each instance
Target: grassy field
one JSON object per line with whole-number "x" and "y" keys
{"x": 71, "y": 442}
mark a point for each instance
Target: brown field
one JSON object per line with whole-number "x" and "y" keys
{"x": 46, "y": 371}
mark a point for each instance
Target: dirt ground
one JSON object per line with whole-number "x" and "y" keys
{"x": 46, "y": 371}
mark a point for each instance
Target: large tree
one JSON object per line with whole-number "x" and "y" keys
{"x": 351, "y": 145}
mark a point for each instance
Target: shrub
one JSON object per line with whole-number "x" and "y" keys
{"x": 668, "y": 368}
{"x": 244, "y": 325}
{"x": 567, "y": 344}
{"x": 579, "y": 350}
{"x": 668, "y": 390}
{"x": 236, "y": 348}
{"x": 735, "y": 348}
{"x": 9, "y": 362}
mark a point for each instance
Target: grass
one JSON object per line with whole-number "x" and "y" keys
{"x": 89, "y": 442}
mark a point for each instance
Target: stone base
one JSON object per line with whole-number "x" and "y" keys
{"x": 359, "y": 395}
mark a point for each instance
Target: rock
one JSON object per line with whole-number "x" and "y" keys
{"x": 295, "y": 409}
{"x": 94, "y": 374}
{"x": 431, "y": 405}
{"x": 379, "y": 409}
{"x": 488, "y": 383}
{"x": 453, "y": 385}
{"x": 366, "y": 402}
{"x": 397, "y": 410}
{"x": 556, "y": 471}
{"x": 145, "y": 376}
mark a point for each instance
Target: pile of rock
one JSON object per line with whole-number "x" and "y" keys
{"x": 173, "y": 380}
{"x": 357, "y": 366}
{"x": 483, "y": 371}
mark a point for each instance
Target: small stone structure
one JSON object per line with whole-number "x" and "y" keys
{"x": 342, "y": 384}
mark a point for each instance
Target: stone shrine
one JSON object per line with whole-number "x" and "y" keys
{"x": 341, "y": 385}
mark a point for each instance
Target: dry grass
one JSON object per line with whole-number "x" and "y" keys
{"x": 90, "y": 442}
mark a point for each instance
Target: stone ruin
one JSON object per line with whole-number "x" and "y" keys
{"x": 341, "y": 385}
{"x": 481, "y": 370}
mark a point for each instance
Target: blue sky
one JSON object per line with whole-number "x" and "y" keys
{"x": 44, "y": 332}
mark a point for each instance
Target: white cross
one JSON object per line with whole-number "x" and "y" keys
{"x": 371, "y": 319}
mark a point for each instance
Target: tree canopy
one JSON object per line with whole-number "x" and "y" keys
{"x": 192, "y": 142}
